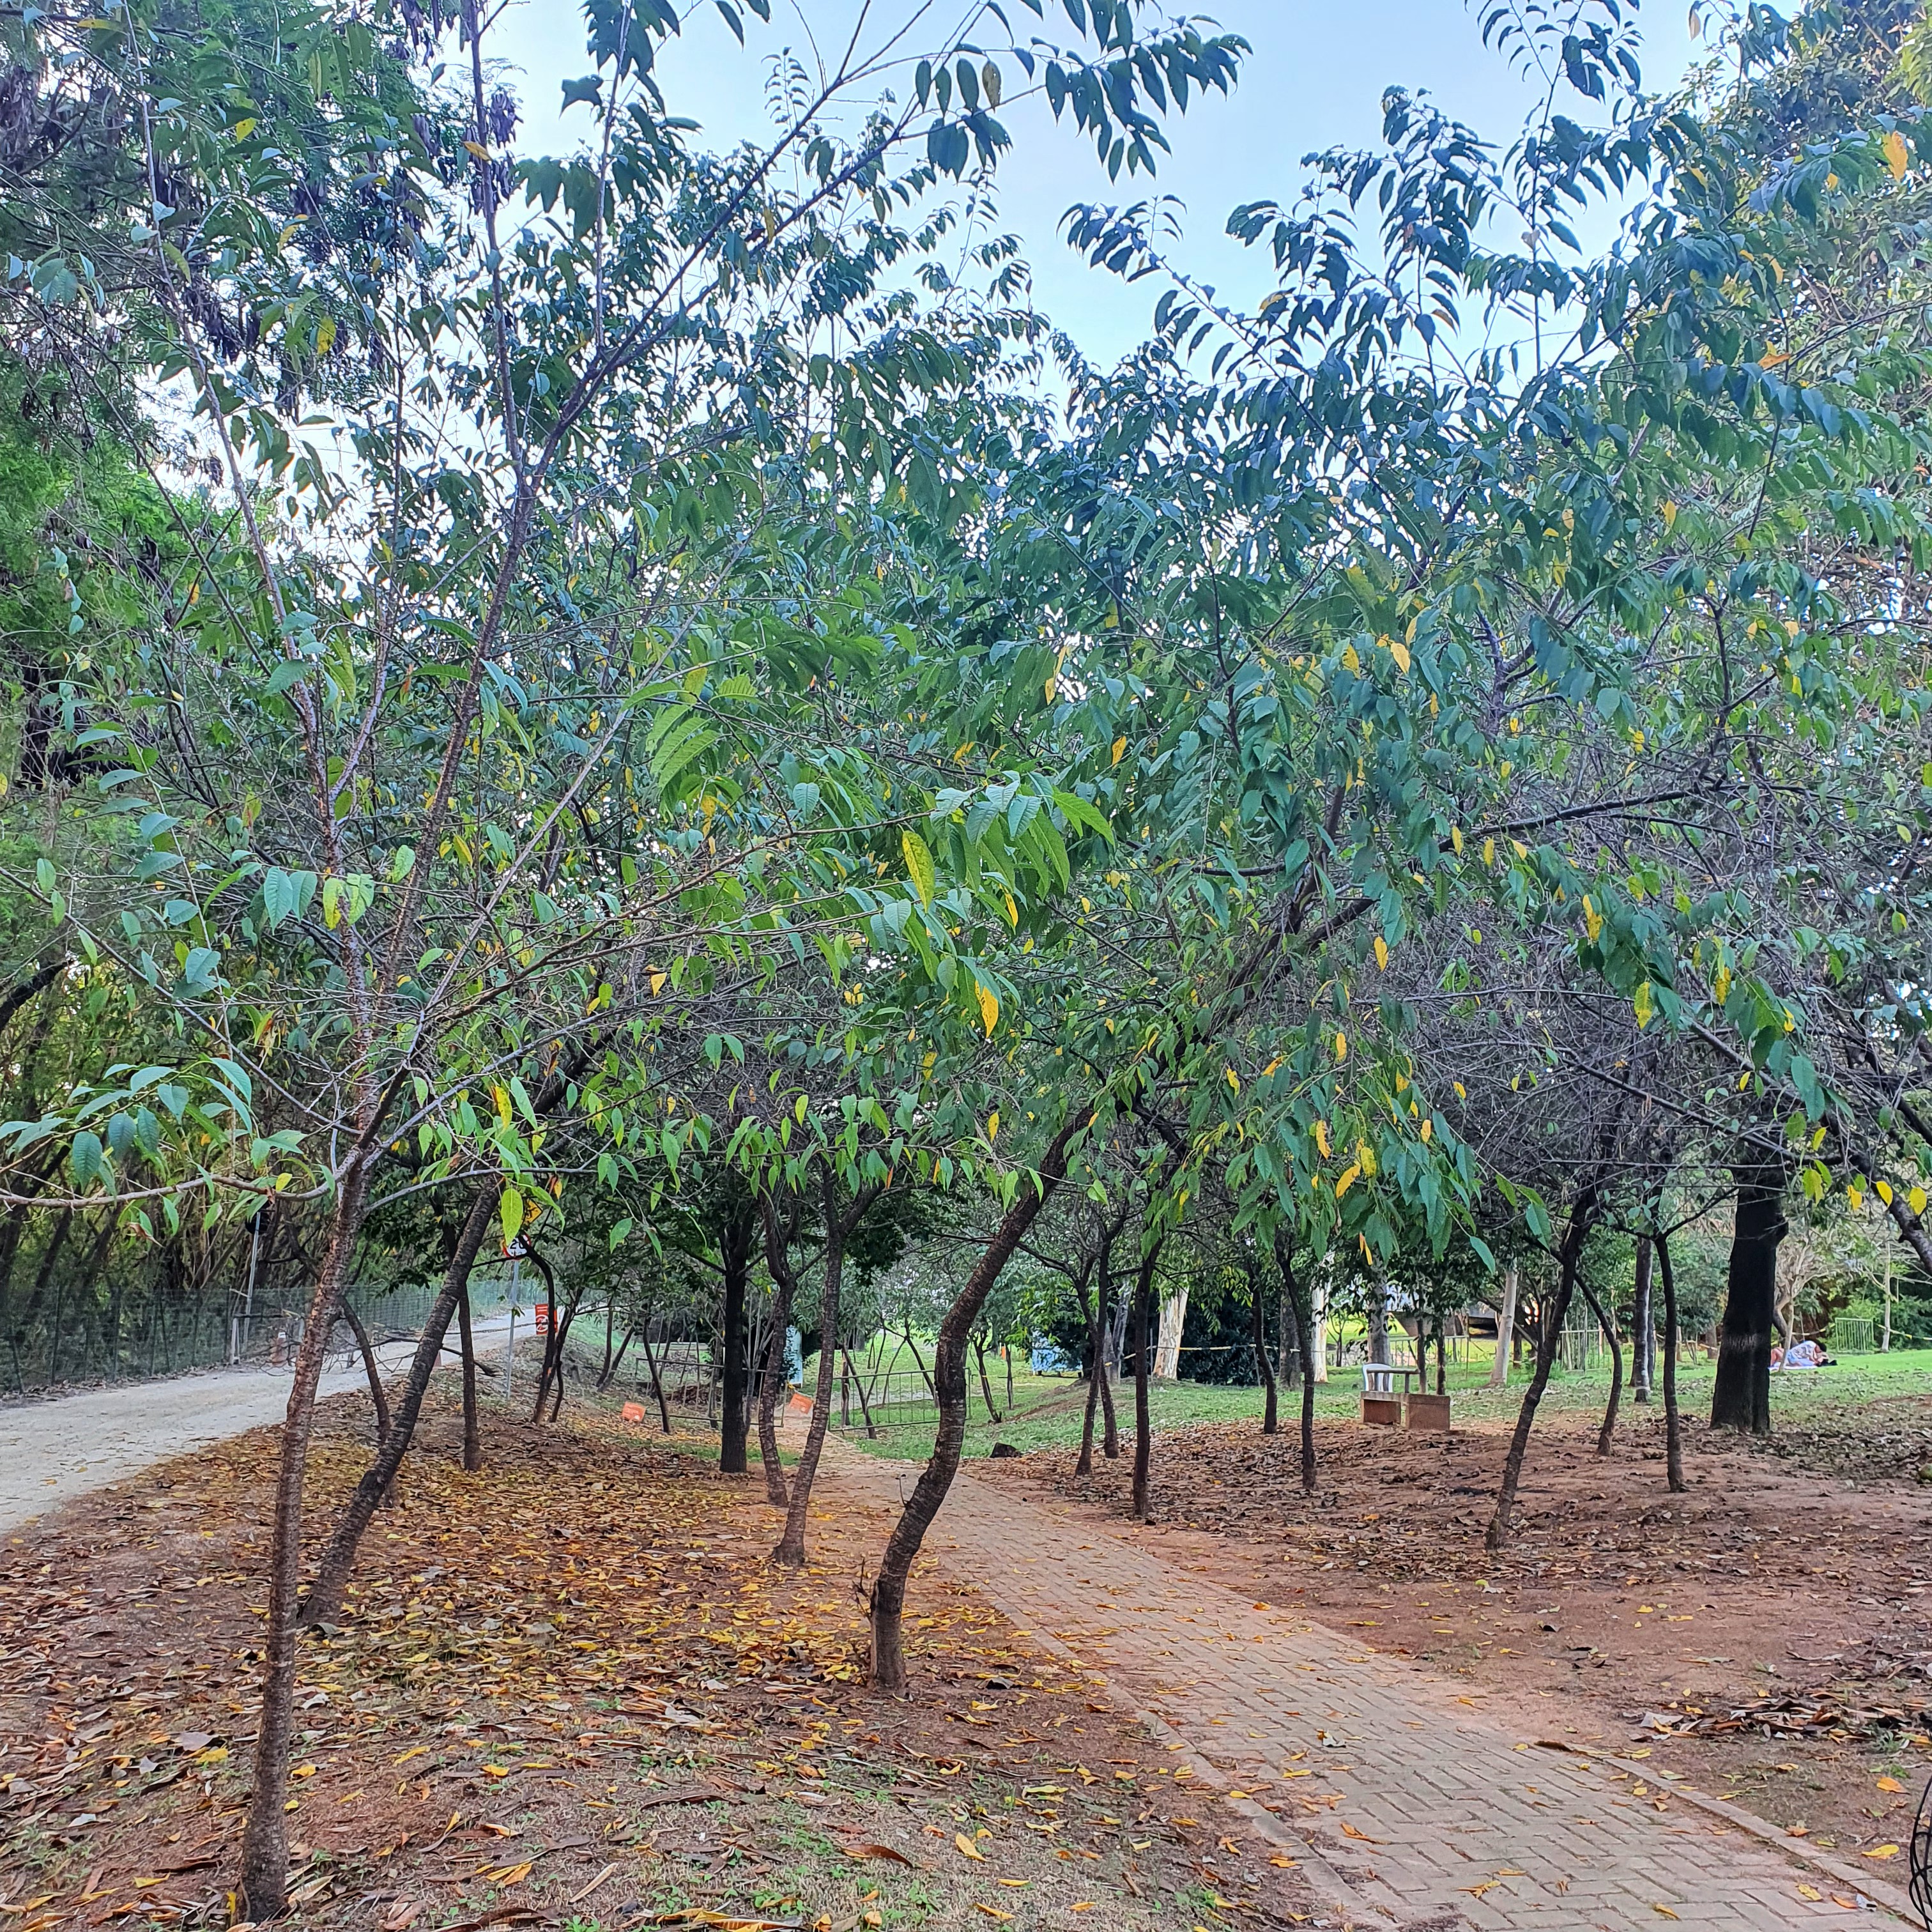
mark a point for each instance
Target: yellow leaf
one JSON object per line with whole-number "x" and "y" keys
{"x": 1233, "y": 1079}
{"x": 657, "y": 984}
{"x": 1349, "y": 657}
{"x": 1809, "y": 1891}
{"x": 303, "y": 1771}
{"x": 919, "y": 868}
{"x": 966, "y": 1845}
{"x": 476, "y": 148}
{"x": 1012, "y": 913}
{"x": 1120, "y": 752}
{"x": 993, "y": 1123}
{"x": 1669, "y": 516}
{"x": 496, "y": 1771}
{"x": 288, "y": 234}
{"x": 1341, "y": 1047}
{"x": 1270, "y": 1066}
{"x": 1917, "y": 1198}
{"x": 1052, "y": 685}
{"x": 511, "y": 1874}
{"x": 1593, "y": 920}
{"x": 243, "y": 129}
{"x": 1456, "y": 838}
{"x": 1399, "y": 652}
{"x": 1890, "y": 1784}
{"x": 1321, "y": 1137}
{"x": 1349, "y": 1177}
{"x": 1884, "y": 1190}
{"x": 1428, "y": 1130}
{"x": 1881, "y": 1851}
{"x": 991, "y": 1911}
{"x": 325, "y": 335}
{"x": 989, "y": 1008}
{"x": 417, "y": 1751}
{"x": 1489, "y": 851}
{"x": 1896, "y": 158}
{"x": 1644, "y": 1006}
{"x": 1663, "y": 1911}
{"x": 1856, "y": 1196}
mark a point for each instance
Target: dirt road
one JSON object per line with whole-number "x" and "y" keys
{"x": 50, "y": 1451}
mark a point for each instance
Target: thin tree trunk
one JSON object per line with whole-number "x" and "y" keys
{"x": 1643, "y": 1329}
{"x": 609, "y": 1338}
{"x": 1673, "y": 1424}
{"x": 1262, "y": 1363}
{"x": 837, "y": 1230}
{"x": 1581, "y": 1215}
{"x": 617, "y": 1361}
{"x": 889, "y": 1669}
{"x": 1506, "y": 1326}
{"x": 1110, "y": 1425}
{"x": 331, "y": 1576}
{"x": 918, "y": 1362}
{"x": 985, "y": 1384}
{"x": 657, "y": 1381}
{"x": 1741, "y": 1397}
{"x": 472, "y": 1437}
{"x": 1143, "y": 1346}
{"x": 1605, "y": 1434}
{"x": 778, "y": 1265}
{"x": 1093, "y": 1311}
{"x": 734, "y": 1420}
{"x": 264, "y": 1837}
{"x": 1441, "y": 1355}
{"x": 857, "y": 1380}
{"x": 1303, "y": 1308}
{"x": 377, "y": 1394}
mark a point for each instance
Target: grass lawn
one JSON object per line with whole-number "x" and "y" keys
{"x": 1047, "y": 1410}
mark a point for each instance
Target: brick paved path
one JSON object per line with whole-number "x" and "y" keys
{"x": 1430, "y": 1812}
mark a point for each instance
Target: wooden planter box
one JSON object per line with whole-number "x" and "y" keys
{"x": 1429, "y": 1412}
{"x": 1382, "y": 1411}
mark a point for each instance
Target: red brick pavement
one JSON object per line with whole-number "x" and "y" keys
{"x": 1412, "y": 1806}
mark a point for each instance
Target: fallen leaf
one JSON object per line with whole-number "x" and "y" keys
{"x": 1890, "y": 1784}
{"x": 1663, "y": 1911}
{"x": 402, "y": 1915}
{"x": 878, "y": 1851}
{"x": 967, "y": 1846}
{"x": 1349, "y": 1831}
{"x": 1809, "y": 1891}
{"x": 991, "y": 1911}
{"x": 1081, "y": 1905}
{"x": 1881, "y": 1851}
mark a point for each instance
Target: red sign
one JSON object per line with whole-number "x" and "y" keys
{"x": 542, "y": 1312}
{"x": 634, "y": 1412}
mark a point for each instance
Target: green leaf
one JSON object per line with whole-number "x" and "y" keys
{"x": 510, "y": 1208}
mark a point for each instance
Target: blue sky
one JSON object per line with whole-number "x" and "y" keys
{"x": 1314, "y": 80}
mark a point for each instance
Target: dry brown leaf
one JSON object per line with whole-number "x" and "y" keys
{"x": 870, "y": 1851}
{"x": 403, "y": 1915}
{"x": 967, "y": 1846}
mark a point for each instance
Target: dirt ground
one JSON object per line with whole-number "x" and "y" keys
{"x": 1776, "y": 1614}
{"x": 568, "y": 1691}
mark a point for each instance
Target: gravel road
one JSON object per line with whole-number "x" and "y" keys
{"x": 50, "y": 1451}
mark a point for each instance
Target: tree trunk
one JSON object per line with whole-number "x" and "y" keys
{"x": 918, "y": 1362}
{"x": 472, "y": 1438}
{"x": 857, "y": 1380}
{"x": 1741, "y": 1398}
{"x": 1581, "y": 1215}
{"x": 1110, "y": 1424}
{"x": 1302, "y": 1310}
{"x": 377, "y": 1394}
{"x": 1287, "y": 1340}
{"x": 1505, "y": 1328}
{"x": 1264, "y": 1365}
{"x": 1643, "y": 1329}
{"x": 1378, "y": 1336}
{"x": 1605, "y": 1321}
{"x": 778, "y": 1265}
{"x": 985, "y": 1385}
{"x": 264, "y": 1837}
{"x": 1441, "y": 1356}
{"x": 889, "y": 1670}
{"x": 657, "y": 1380}
{"x": 1093, "y": 1311}
{"x": 838, "y": 1228}
{"x": 1143, "y": 1349}
{"x": 735, "y": 1254}
{"x": 331, "y": 1576}
{"x": 1673, "y": 1425}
